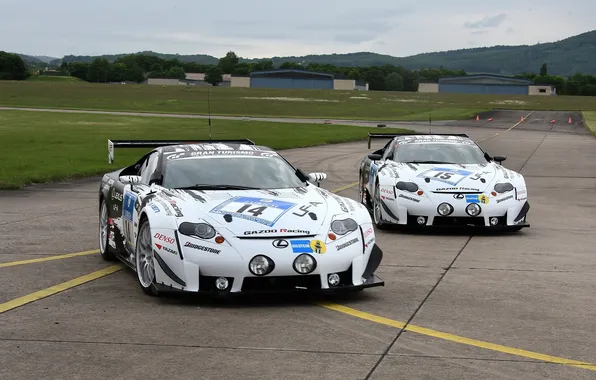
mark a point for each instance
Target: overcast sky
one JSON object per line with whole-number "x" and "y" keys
{"x": 264, "y": 28}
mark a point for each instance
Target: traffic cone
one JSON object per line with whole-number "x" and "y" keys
{"x": 477, "y": 117}
{"x": 570, "y": 121}
{"x": 521, "y": 119}
{"x": 553, "y": 121}
{"x": 490, "y": 119}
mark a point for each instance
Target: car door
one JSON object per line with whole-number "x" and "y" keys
{"x": 133, "y": 198}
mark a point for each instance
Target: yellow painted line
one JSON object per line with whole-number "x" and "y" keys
{"x": 49, "y": 258}
{"x": 508, "y": 129}
{"x": 458, "y": 339}
{"x": 6, "y": 306}
{"x": 344, "y": 187}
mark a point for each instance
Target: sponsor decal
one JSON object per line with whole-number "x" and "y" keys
{"x": 372, "y": 172}
{"x": 275, "y": 231}
{"x": 280, "y": 243}
{"x": 202, "y": 248}
{"x": 368, "y": 232}
{"x": 386, "y": 191}
{"x": 116, "y": 195}
{"x": 341, "y": 203}
{"x": 456, "y": 189}
{"x": 259, "y": 210}
{"x": 409, "y": 198}
{"x": 458, "y": 196}
{"x": 308, "y": 246}
{"x": 129, "y": 204}
{"x": 448, "y": 175}
{"x": 339, "y": 247}
{"x": 155, "y": 208}
{"x": 164, "y": 238}
{"x": 164, "y": 248}
{"x": 176, "y": 209}
{"x": 475, "y": 198}
{"x": 504, "y": 199}
{"x": 369, "y": 242}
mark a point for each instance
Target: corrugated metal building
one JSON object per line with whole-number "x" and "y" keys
{"x": 291, "y": 79}
{"x": 484, "y": 84}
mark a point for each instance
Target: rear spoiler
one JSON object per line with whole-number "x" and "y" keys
{"x": 392, "y": 135}
{"x": 157, "y": 143}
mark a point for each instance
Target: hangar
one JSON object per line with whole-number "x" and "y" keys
{"x": 485, "y": 84}
{"x": 293, "y": 78}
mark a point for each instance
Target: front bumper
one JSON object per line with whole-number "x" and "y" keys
{"x": 196, "y": 275}
{"x": 508, "y": 212}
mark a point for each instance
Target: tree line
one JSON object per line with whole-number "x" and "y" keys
{"x": 138, "y": 67}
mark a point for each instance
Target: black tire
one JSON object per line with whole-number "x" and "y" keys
{"x": 151, "y": 288}
{"x": 107, "y": 253}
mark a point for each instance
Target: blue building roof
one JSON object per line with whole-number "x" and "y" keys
{"x": 486, "y": 76}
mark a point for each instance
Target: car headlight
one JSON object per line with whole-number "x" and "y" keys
{"x": 261, "y": 265}
{"x": 342, "y": 227}
{"x": 304, "y": 264}
{"x": 407, "y": 186}
{"x": 473, "y": 209}
{"x": 202, "y": 230}
{"x": 445, "y": 209}
{"x": 503, "y": 187}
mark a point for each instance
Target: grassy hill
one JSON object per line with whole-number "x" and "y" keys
{"x": 564, "y": 57}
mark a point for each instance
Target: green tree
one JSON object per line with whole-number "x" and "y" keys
{"x": 229, "y": 62}
{"x": 12, "y": 67}
{"x": 214, "y": 75}
{"x": 98, "y": 70}
{"x": 394, "y": 82}
{"x": 543, "y": 70}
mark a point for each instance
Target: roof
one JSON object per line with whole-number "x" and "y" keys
{"x": 419, "y": 139}
{"x": 216, "y": 149}
{"x": 294, "y": 71}
{"x": 486, "y": 76}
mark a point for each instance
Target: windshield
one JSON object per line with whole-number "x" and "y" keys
{"x": 440, "y": 153}
{"x": 256, "y": 172}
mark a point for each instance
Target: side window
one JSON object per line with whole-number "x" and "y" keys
{"x": 148, "y": 168}
{"x": 388, "y": 155}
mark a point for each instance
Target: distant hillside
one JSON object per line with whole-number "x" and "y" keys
{"x": 564, "y": 57}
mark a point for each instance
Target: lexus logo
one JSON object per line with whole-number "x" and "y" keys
{"x": 458, "y": 196}
{"x": 280, "y": 243}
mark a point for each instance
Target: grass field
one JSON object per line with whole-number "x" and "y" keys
{"x": 44, "y": 147}
{"x": 590, "y": 120}
{"x": 53, "y": 79}
{"x": 338, "y": 104}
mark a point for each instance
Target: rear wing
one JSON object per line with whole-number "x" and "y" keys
{"x": 392, "y": 135}
{"x": 112, "y": 144}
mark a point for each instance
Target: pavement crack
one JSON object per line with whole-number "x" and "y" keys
{"x": 532, "y": 154}
{"x": 386, "y": 352}
{"x": 520, "y": 270}
{"x": 203, "y": 346}
{"x": 44, "y": 215}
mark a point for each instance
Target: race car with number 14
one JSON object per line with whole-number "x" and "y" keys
{"x": 231, "y": 217}
{"x": 441, "y": 180}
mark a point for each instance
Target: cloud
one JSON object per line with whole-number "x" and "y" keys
{"x": 487, "y": 22}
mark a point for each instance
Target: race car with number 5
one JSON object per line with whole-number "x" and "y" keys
{"x": 231, "y": 217}
{"x": 441, "y": 180}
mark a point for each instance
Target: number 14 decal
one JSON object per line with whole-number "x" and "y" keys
{"x": 255, "y": 211}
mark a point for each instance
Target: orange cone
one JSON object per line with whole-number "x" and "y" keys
{"x": 490, "y": 119}
{"x": 553, "y": 121}
{"x": 477, "y": 117}
{"x": 570, "y": 121}
{"x": 521, "y": 119}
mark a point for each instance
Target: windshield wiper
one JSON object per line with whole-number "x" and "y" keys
{"x": 216, "y": 187}
{"x": 430, "y": 162}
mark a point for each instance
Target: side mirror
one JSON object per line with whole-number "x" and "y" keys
{"x": 375, "y": 157}
{"x": 317, "y": 177}
{"x": 131, "y": 179}
{"x": 499, "y": 159}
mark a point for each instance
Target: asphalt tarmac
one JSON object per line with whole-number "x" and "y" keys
{"x": 512, "y": 306}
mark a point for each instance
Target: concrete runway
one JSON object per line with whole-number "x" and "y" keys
{"x": 517, "y": 306}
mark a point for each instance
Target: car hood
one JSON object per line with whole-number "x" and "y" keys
{"x": 276, "y": 212}
{"x": 449, "y": 178}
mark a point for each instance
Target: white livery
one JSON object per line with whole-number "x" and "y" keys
{"x": 231, "y": 218}
{"x": 441, "y": 180}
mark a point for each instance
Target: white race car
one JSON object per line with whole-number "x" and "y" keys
{"x": 441, "y": 180}
{"x": 233, "y": 217}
